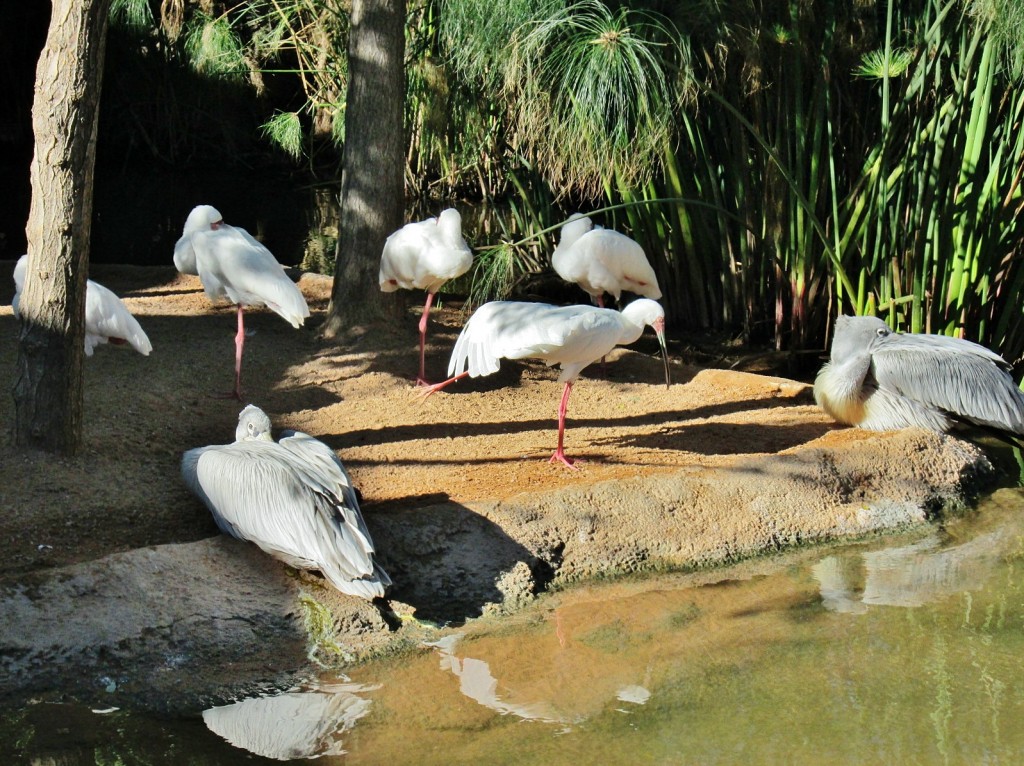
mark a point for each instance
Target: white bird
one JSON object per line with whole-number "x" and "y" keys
{"x": 292, "y": 498}
{"x": 602, "y": 261}
{"x": 881, "y": 380}
{"x": 107, "y": 319}
{"x": 233, "y": 265}
{"x": 423, "y": 256}
{"x": 570, "y": 336}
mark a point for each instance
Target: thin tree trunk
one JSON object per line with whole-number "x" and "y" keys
{"x": 372, "y": 183}
{"x": 48, "y": 389}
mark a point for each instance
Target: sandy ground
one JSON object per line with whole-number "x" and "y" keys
{"x": 481, "y": 439}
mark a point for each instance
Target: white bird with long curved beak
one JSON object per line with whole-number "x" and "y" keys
{"x": 292, "y": 498}
{"x": 602, "y": 261}
{"x": 423, "y": 256}
{"x": 570, "y": 336}
{"x": 881, "y": 380}
{"x": 107, "y": 319}
{"x": 235, "y": 266}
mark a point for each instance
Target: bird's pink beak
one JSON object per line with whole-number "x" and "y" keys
{"x": 217, "y": 224}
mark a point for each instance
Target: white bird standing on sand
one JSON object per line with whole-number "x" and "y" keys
{"x": 881, "y": 380}
{"x": 602, "y": 261}
{"x": 233, "y": 265}
{"x": 293, "y": 498}
{"x": 423, "y": 256}
{"x": 570, "y": 336}
{"x": 107, "y": 319}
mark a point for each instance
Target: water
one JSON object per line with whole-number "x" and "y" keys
{"x": 906, "y": 650}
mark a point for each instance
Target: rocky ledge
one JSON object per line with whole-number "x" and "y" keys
{"x": 179, "y": 626}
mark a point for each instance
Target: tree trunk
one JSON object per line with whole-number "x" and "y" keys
{"x": 372, "y": 183}
{"x": 48, "y": 389}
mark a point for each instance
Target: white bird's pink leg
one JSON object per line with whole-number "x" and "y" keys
{"x": 562, "y": 409}
{"x": 428, "y": 390}
{"x": 239, "y": 344}
{"x": 422, "y": 379}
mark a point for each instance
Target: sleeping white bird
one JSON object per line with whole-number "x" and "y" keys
{"x": 233, "y": 265}
{"x": 570, "y": 336}
{"x": 107, "y": 319}
{"x": 881, "y": 380}
{"x": 602, "y": 261}
{"x": 423, "y": 255}
{"x": 292, "y": 498}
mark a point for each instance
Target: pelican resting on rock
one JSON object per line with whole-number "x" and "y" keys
{"x": 881, "y": 380}
{"x": 107, "y": 319}
{"x": 293, "y": 498}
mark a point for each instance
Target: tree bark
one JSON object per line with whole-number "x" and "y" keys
{"x": 372, "y": 183}
{"x": 48, "y": 391}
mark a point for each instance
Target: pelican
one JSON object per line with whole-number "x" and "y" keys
{"x": 570, "y": 336}
{"x": 292, "y": 498}
{"x": 602, "y": 261}
{"x": 107, "y": 319}
{"x": 881, "y": 380}
{"x": 233, "y": 265}
{"x": 423, "y": 255}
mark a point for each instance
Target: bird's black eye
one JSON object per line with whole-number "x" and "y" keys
{"x": 252, "y": 428}
{"x": 881, "y": 332}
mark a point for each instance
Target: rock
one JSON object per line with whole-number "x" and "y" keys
{"x": 176, "y": 626}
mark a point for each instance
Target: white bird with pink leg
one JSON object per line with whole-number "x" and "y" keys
{"x": 235, "y": 266}
{"x": 423, "y": 255}
{"x": 570, "y": 336}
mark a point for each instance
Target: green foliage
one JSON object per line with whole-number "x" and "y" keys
{"x": 284, "y": 129}
{"x": 214, "y": 49}
{"x": 132, "y": 14}
{"x": 588, "y": 88}
{"x": 874, "y": 66}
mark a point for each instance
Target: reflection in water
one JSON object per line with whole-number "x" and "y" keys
{"x": 807, "y": 659}
{"x": 477, "y": 683}
{"x": 298, "y": 724}
{"x": 907, "y": 576}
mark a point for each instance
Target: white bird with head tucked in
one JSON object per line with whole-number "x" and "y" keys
{"x": 423, "y": 256}
{"x": 107, "y": 319}
{"x": 603, "y": 261}
{"x": 234, "y": 266}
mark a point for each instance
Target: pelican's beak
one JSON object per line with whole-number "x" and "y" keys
{"x": 659, "y": 330}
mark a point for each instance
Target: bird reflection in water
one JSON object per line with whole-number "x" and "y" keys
{"x": 294, "y": 724}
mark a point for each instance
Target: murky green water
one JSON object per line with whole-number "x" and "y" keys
{"x": 908, "y": 651}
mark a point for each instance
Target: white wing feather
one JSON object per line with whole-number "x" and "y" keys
{"x": 107, "y": 317}
{"x": 233, "y": 264}
{"x": 572, "y": 336}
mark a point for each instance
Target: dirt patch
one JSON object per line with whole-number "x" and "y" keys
{"x": 480, "y": 439}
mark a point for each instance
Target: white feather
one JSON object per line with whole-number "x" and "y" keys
{"x": 106, "y": 317}
{"x": 603, "y": 261}
{"x": 423, "y": 255}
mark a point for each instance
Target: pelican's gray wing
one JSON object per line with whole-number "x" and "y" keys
{"x": 950, "y": 375}
{"x": 341, "y": 519}
{"x": 260, "y": 492}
